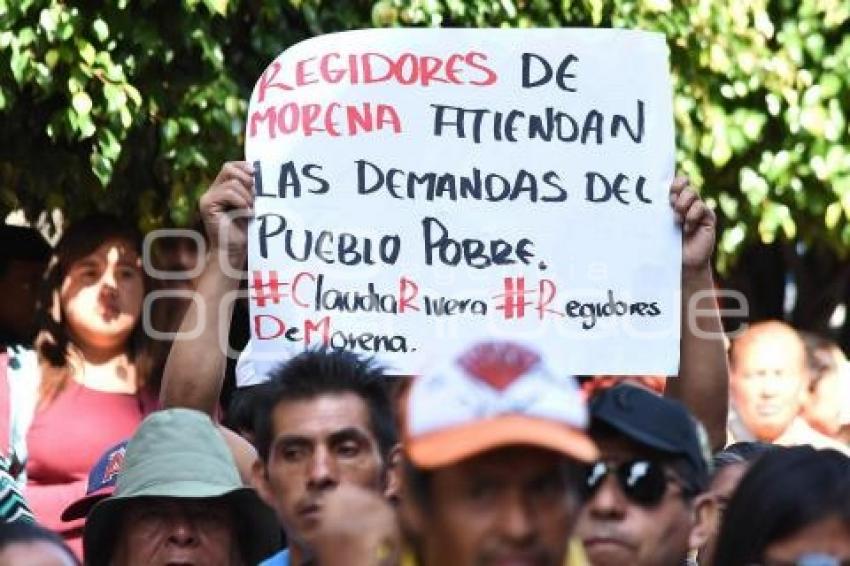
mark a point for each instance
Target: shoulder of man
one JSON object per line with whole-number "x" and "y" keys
{"x": 576, "y": 555}
{"x": 801, "y": 433}
{"x": 279, "y": 559}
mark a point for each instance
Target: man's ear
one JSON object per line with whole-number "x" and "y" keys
{"x": 705, "y": 523}
{"x": 410, "y": 513}
{"x": 392, "y": 474}
{"x": 260, "y": 482}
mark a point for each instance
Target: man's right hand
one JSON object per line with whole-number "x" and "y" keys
{"x": 226, "y": 208}
{"x": 357, "y": 526}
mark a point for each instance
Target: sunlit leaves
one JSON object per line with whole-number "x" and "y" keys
{"x": 132, "y": 106}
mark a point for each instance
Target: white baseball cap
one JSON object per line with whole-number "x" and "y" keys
{"x": 494, "y": 394}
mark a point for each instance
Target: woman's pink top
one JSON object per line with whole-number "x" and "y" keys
{"x": 65, "y": 440}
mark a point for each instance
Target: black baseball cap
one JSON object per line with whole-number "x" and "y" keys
{"x": 22, "y": 243}
{"x": 659, "y": 423}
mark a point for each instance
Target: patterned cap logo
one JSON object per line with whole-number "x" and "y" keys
{"x": 113, "y": 466}
{"x": 498, "y": 365}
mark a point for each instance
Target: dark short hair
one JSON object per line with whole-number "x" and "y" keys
{"x": 22, "y": 532}
{"x": 739, "y": 453}
{"x": 243, "y": 408}
{"x": 319, "y": 372}
{"x": 786, "y": 490}
{"x": 19, "y": 243}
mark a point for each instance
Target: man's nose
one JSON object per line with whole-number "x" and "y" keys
{"x": 771, "y": 384}
{"x": 517, "y": 521}
{"x": 608, "y": 501}
{"x": 182, "y": 531}
{"x": 323, "y": 470}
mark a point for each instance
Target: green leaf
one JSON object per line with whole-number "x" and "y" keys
{"x": 26, "y": 37}
{"x": 833, "y": 215}
{"x": 101, "y": 30}
{"x": 86, "y": 126}
{"x": 133, "y": 93}
{"x": 170, "y": 129}
{"x": 47, "y": 19}
{"x": 81, "y": 102}
{"x": 217, "y": 6}
{"x": 115, "y": 97}
{"x": 51, "y": 58}
{"x": 732, "y": 238}
{"x": 19, "y": 62}
{"x": 126, "y": 117}
{"x": 189, "y": 124}
{"x": 102, "y": 168}
{"x": 109, "y": 145}
{"x": 830, "y": 85}
{"x": 753, "y": 186}
{"x": 721, "y": 152}
{"x": 66, "y": 31}
{"x": 86, "y": 50}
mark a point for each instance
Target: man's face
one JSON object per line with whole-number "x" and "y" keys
{"x": 722, "y": 487}
{"x": 509, "y": 506}
{"x": 176, "y": 531}
{"x": 616, "y": 531}
{"x": 769, "y": 384}
{"x": 18, "y": 293}
{"x": 317, "y": 445}
{"x": 176, "y": 255}
{"x": 823, "y": 405}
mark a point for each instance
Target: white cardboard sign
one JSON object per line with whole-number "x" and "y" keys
{"x": 420, "y": 189}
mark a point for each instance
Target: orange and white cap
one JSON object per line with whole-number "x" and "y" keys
{"x": 494, "y": 394}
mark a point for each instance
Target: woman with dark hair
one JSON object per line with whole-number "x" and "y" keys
{"x": 93, "y": 381}
{"x": 791, "y": 508}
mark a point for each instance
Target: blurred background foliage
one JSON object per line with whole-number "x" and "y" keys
{"x": 131, "y": 106}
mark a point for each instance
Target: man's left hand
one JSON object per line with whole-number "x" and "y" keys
{"x": 699, "y": 224}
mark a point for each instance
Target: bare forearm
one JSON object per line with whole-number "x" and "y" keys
{"x": 703, "y": 382}
{"x": 194, "y": 370}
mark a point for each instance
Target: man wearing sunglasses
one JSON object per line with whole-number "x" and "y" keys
{"x": 645, "y": 500}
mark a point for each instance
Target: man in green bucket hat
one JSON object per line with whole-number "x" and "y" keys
{"x": 179, "y": 499}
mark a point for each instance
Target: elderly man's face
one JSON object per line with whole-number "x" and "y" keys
{"x": 616, "y": 530}
{"x": 158, "y": 532}
{"x": 769, "y": 384}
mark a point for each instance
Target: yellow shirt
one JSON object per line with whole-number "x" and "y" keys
{"x": 575, "y": 556}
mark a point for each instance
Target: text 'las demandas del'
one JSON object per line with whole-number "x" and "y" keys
{"x": 418, "y": 189}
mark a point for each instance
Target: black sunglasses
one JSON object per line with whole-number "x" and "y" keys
{"x": 642, "y": 481}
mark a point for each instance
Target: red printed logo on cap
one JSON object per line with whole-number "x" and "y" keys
{"x": 498, "y": 365}
{"x": 113, "y": 465}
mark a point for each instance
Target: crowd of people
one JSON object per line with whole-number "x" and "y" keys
{"x": 117, "y": 448}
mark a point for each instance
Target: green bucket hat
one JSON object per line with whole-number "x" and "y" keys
{"x": 178, "y": 453}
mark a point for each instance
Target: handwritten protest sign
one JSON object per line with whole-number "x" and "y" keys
{"x": 416, "y": 189}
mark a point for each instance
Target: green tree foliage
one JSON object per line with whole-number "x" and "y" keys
{"x": 132, "y": 106}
